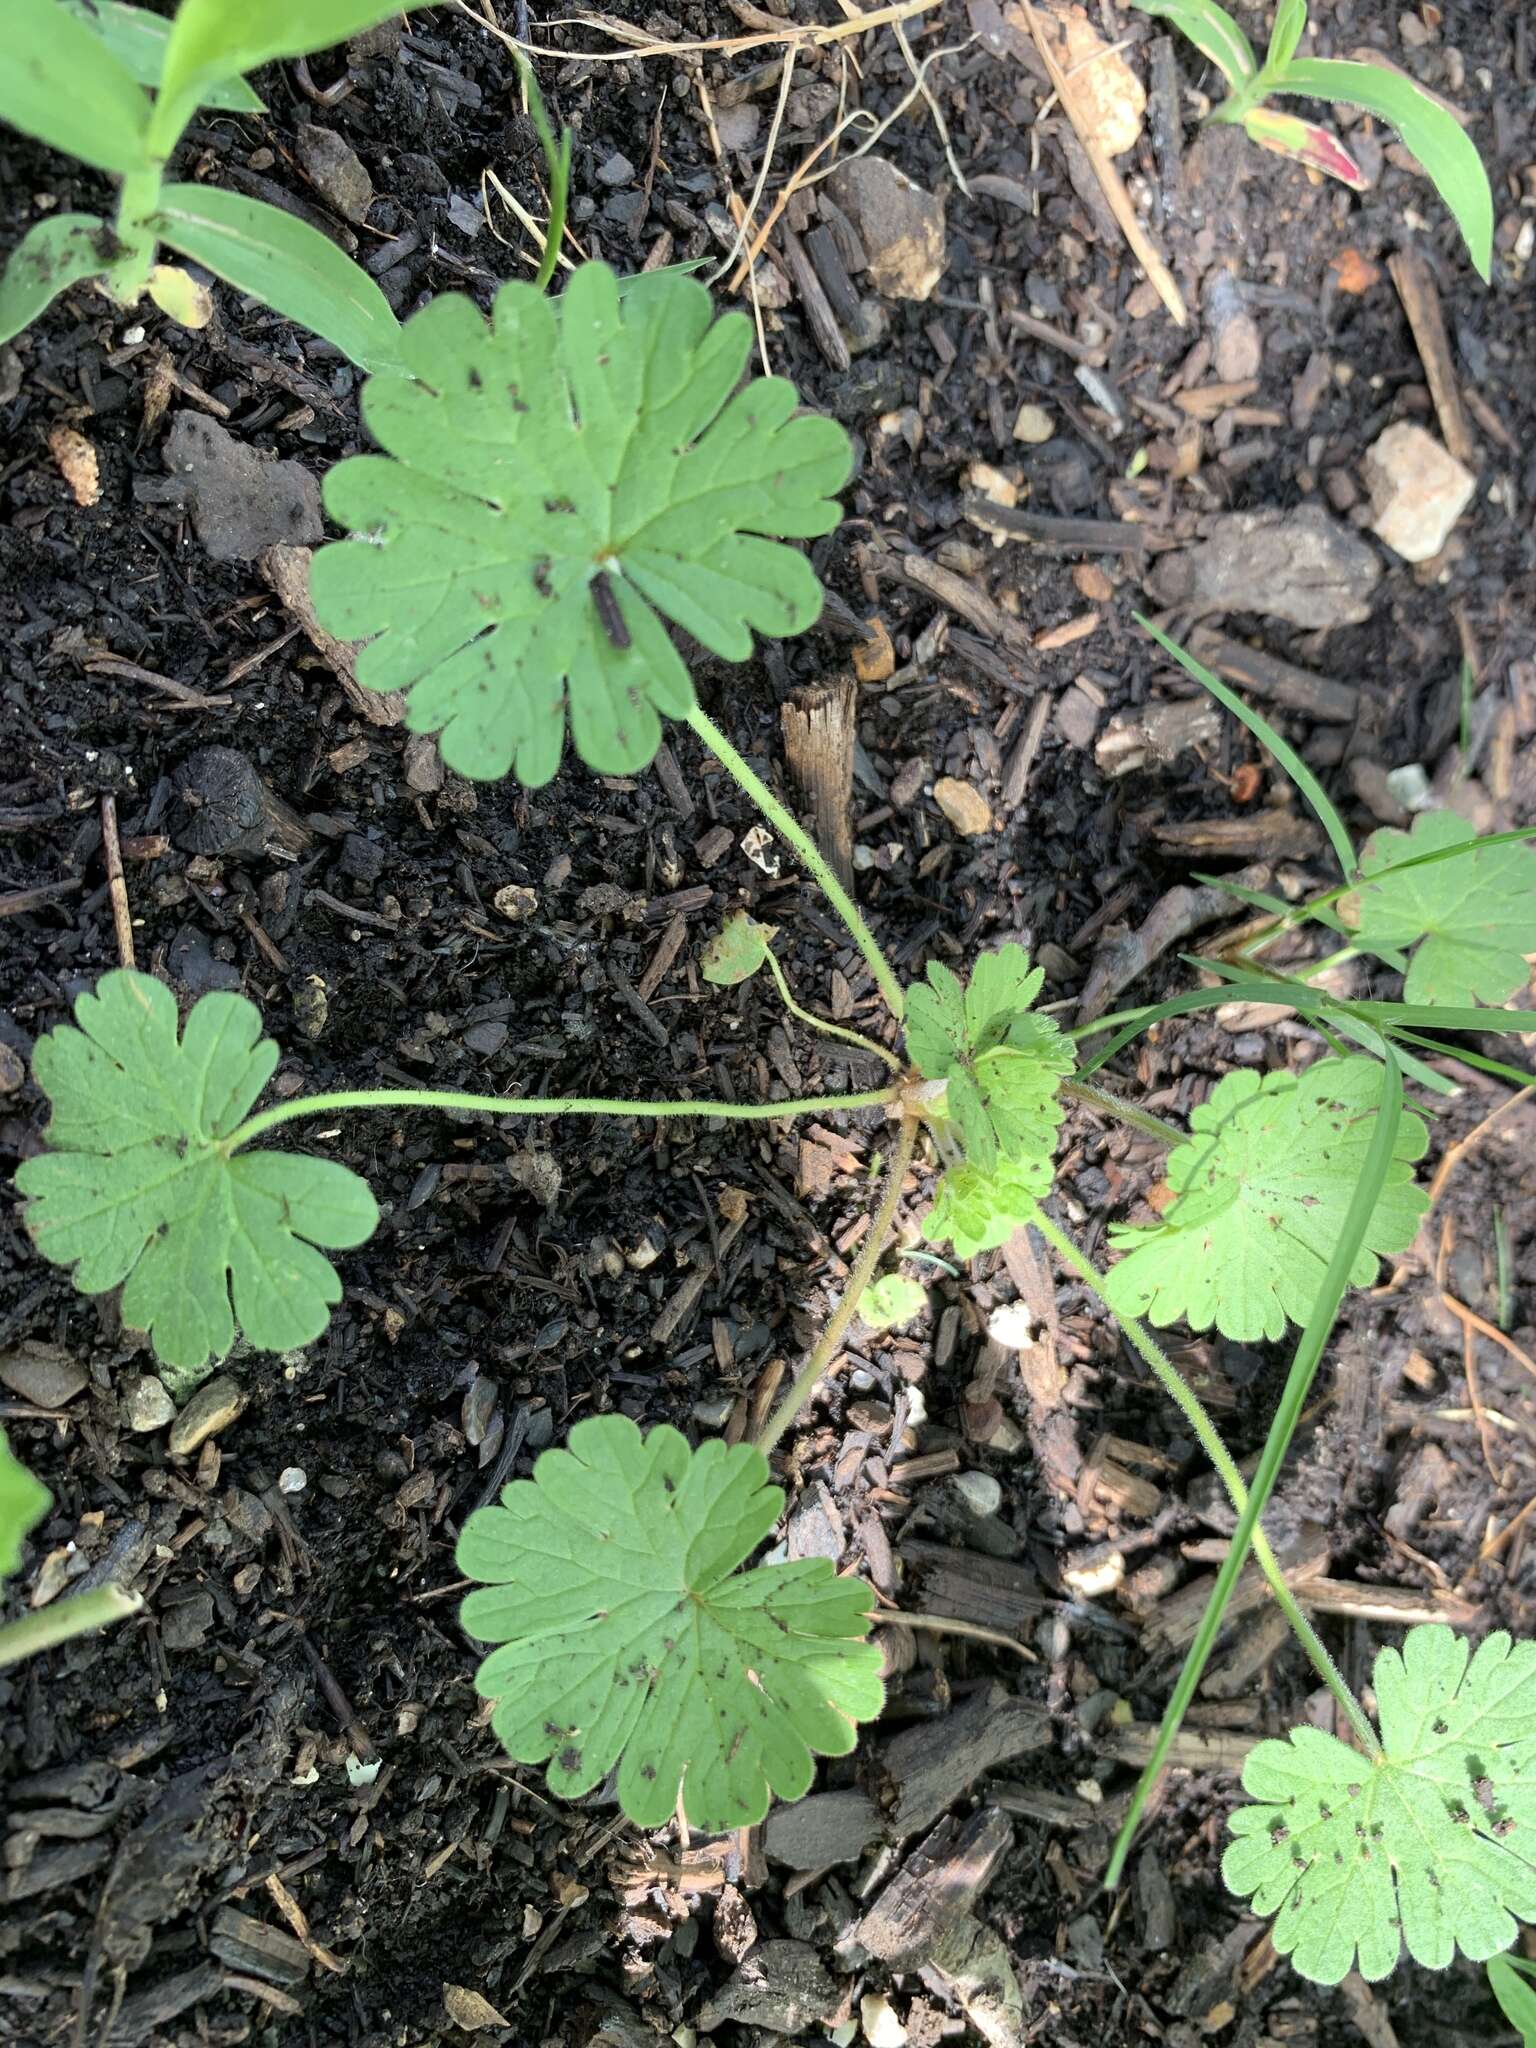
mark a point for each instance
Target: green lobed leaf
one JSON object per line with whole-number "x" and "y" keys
{"x": 1432, "y": 1846}
{"x": 558, "y": 481}
{"x": 976, "y": 1208}
{"x": 212, "y": 41}
{"x": 891, "y": 1300}
{"x": 1262, "y": 1190}
{"x": 285, "y": 263}
{"x": 61, "y": 85}
{"x": 628, "y": 1635}
{"x": 1214, "y": 34}
{"x": 1471, "y": 921}
{"x": 1001, "y": 1062}
{"x": 1435, "y": 136}
{"x": 24, "y": 1500}
{"x": 50, "y": 257}
{"x": 137, "y": 39}
{"x": 1512, "y": 1981}
{"x": 736, "y": 951}
{"x": 139, "y": 1188}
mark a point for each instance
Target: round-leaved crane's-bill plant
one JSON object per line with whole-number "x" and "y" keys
{"x": 1428, "y": 1844}
{"x": 560, "y": 481}
{"x": 144, "y": 1184}
{"x": 629, "y": 1636}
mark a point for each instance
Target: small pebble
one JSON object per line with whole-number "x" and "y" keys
{"x": 212, "y": 1408}
{"x": 145, "y": 1405}
{"x": 292, "y": 1479}
{"x": 42, "y": 1374}
{"x": 618, "y": 170}
{"x": 963, "y": 805}
{"x": 878, "y": 2017}
{"x": 980, "y": 1491}
{"x": 1033, "y": 424}
{"x": 1012, "y": 1324}
{"x": 711, "y": 1414}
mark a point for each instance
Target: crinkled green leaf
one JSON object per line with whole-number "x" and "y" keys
{"x": 890, "y": 1300}
{"x": 1263, "y": 1187}
{"x": 1432, "y": 1846}
{"x": 629, "y": 1636}
{"x": 24, "y": 1500}
{"x": 557, "y": 482}
{"x": 1513, "y": 1983}
{"x": 1470, "y": 920}
{"x": 138, "y": 1188}
{"x": 1001, "y": 1062}
{"x": 1214, "y": 34}
{"x": 976, "y": 1208}
{"x": 736, "y": 951}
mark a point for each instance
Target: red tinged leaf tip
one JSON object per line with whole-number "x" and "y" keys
{"x": 1305, "y": 142}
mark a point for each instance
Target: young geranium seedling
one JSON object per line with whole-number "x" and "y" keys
{"x": 629, "y": 1636}
{"x": 1469, "y": 922}
{"x": 1429, "y": 1844}
{"x": 1001, "y": 1066}
{"x": 1429, "y": 128}
{"x": 558, "y": 482}
{"x": 1261, "y": 1192}
{"x": 144, "y": 1184}
{"x": 891, "y": 1300}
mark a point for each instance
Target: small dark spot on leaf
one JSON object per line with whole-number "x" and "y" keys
{"x": 476, "y": 381}
{"x": 648, "y": 1772}
{"x": 558, "y": 505}
{"x": 570, "y": 1758}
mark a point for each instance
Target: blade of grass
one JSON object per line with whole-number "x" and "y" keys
{"x": 1265, "y": 733}
{"x": 1298, "y": 1384}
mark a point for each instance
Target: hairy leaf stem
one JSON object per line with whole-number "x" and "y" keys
{"x": 873, "y": 1251}
{"x": 790, "y": 830}
{"x": 540, "y": 1105}
{"x": 825, "y": 1024}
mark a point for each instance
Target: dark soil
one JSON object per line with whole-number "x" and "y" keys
{"x": 202, "y": 1762}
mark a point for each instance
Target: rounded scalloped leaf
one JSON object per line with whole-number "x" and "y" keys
{"x": 1432, "y": 1846}
{"x": 628, "y": 1635}
{"x": 1263, "y": 1188}
{"x": 977, "y": 1208}
{"x": 138, "y": 1188}
{"x": 1470, "y": 921}
{"x": 558, "y": 482}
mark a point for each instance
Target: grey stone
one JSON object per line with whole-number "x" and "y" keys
{"x": 184, "y": 1626}
{"x": 334, "y": 169}
{"x": 42, "y": 1374}
{"x": 240, "y": 501}
{"x": 781, "y": 1985}
{"x": 212, "y": 1408}
{"x": 826, "y": 1828}
{"x": 1302, "y": 566}
{"x": 900, "y": 225}
{"x": 145, "y": 1405}
{"x": 616, "y": 170}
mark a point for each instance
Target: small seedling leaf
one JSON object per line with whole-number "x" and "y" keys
{"x": 62, "y": 85}
{"x": 736, "y": 951}
{"x": 1431, "y": 131}
{"x": 272, "y": 256}
{"x": 1214, "y": 34}
{"x": 1432, "y": 1845}
{"x": 559, "y": 481}
{"x": 1289, "y": 26}
{"x": 137, "y": 39}
{"x": 978, "y": 1207}
{"x": 48, "y": 259}
{"x": 138, "y": 1189}
{"x": 890, "y": 1300}
{"x": 1262, "y": 1190}
{"x": 1304, "y": 142}
{"x": 1513, "y": 1983}
{"x": 24, "y": 1500}
{"x": 628, "y": 1635}
{"x": 1471, "y": 920}
{"x": 1001, "y": 1062}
